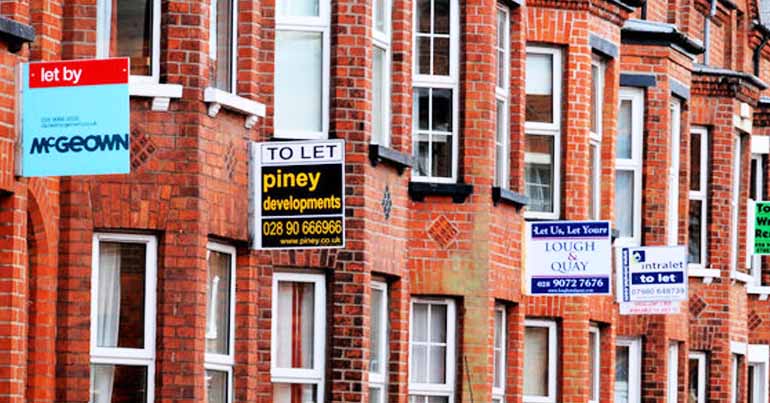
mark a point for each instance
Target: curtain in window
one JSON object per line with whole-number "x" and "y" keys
{"x": 211, "y": 323}
{"x": 295, "y": 318}
{"x": 536, "y": 361}
{"x": 108, "y": 316}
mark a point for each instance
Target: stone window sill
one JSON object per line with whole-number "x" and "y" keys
{"x": 458, "y": 191}
{"x": 707, "y": 275}
{"x": 505, "y": 196}
{"x": 387, "y": 155}
{"x": 161, "y": 94}
{"x": 218, "y": 99}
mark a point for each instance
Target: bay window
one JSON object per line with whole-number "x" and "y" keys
{"x": 220, "y": 323}
{"x": 432, "y": 351}
{"x": 698, "y": 195}
{"x": 540, "y": 361}
{"x": 675, "y": 112}
{"x": 595, "y": 142}
{"x": 498, "y": 378}
{"x": 302, "y": 69}
{"x": 130, "y": 28}
{"x": 697, "y": 378}
{"x": 381, "y": 27}
{"x": 436, "y": 99}
{"x": 123, "y": 297}
{"x": 298, "y": 337}
{"x": 502, "y": 133}
{"x": 542, "y": 153}
{"x": 628, "y": 168}
{"x": 378, "y": 343}
{"x": 628, "y": 370}
{"x": 223, "y": 43}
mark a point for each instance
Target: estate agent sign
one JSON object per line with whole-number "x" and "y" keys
{"x": 651, "y": 279}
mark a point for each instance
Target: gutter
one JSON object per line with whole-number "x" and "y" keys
{"x": 643, "y": 32}
{"x": 757, "y": 56}
{"x": 716, "y": 71}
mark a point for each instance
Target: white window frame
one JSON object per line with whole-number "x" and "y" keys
{"x": 595, "y": 139}
{"x": 672, "y": 387}
{"x": 320, "y": 24}
{"x": 675, "y": 116}
{"x": 636, "y": 163}
{"x": 734, "y": 377}
{"x": 447, "y": 389}
{"x": 311, "y": 376}
{"x": 700, "y": 357}
{"x": 759, "y": 357}
{"x": 498, "y": 393}
{"x": 382, "y": 40}
{"x": 431, "y": 82}
{"x": 634, "y": 345}
{"x": 549, "y": 129}
{"x": 225, "y": 362}
{"x": 213, "y": 29}
{"x": 701, "y": 194}
{"x": 553, "y": 350}
{"x": 502, "y": 95}
{"x": 104, "y": 27}
{"x": 144, "y": 357}
{"x": 754, "y": 262}
{"x": 735, "y": 202}
{"x": 595, "y": 387}
{"x": 379, "y": 380}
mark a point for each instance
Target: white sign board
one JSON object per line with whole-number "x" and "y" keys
{"x": 568, "y": 258}
{"x": 652, "y": 273}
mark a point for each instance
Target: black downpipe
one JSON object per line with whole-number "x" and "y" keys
{"x": 758, "y": 53}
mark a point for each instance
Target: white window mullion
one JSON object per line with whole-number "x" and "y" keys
{"x": 378, "y": 366}
{"x": 675, "y": 108}
{"x": 698, "y": 195}
{"x": 734, "y": 202}
{"x": 420, "y": 383}
{"x": 628, "y": 159}
{"x": 502, "y": 135}
{"x": 499, "y": 347}
{"x": 673, "y": 373}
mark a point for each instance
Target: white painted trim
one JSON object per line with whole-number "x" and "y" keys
{"x": 760, "y": 144}
{"x": 217, "y": 98}
{"x": 701, "y": 194}
{"x": 734, "y": 204}
{"x": 701, "y": 359}
{"x": 553, "y": 350}
{"x": 502, "y": 95}
{"x": 758, "y": 357}
{"x": 382, "y": 41}
{"x": 448, "y": 387}
{"x": 103, "y": 28}
{"x": 596, "y": 370}
{"x": 636, "y": 163}
{"x": 742, "y": 277}
{"x": 227, "y": 369}
{"x": 738, "y": 347}
{"x": 762, "y": 291}
{"x": 161, "y": 93}
{"x": 672, "y": 230}
{"x": 313, "y": 375}
{"x": 556, "y": 76}
{"x": 634, "y": 345}
{"x": 754, "y": 262}
{"x": 128, "y": 356}
{"x": 708, "y": 275}
{"x": 498, "y": 393}
{"x": 379, "y": 378}
{"x": 672, "y": 383}
{"x": 225, "y": 362}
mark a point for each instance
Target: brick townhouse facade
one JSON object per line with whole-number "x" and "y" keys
{"x": 462, "y": 120}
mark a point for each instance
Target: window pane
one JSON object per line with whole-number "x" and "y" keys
{"x": 594, "y": 182}
{"x": 624, "y": 144}
{"x": 441, "y": 17}
{"x": 418, "y": 368}
{"x": 294, "y": 392}
{"x": 424, "y": 53}
{"x": 442, "y": 110}
{"x": 378, "y": 325}
{"x": 298, "y": 84}
{"x": 536, "y": 361}
{"x": 438, "y": 323}
{"x": 131, "y": 34}
{"x": 501, "y": 157}
{"x": 437, "y": 365}
{"x": 379, "y": 15}
{"x": 441, "y": 155}
{"x": 216, "y": 386}
{"x": 120, "y": 295}
{"x": 539, "y": 172}
{"x": 695, "y": 242}
{"x": 622, "y": 371}
{"x": 499, "y": 349}
{"x": 225, "y": 44}
{"x": 594, "y": 361}
{"x": 539, "y": 85}
{"x": 695, "y": 160}
{"x": 420, "y": 325}
{"x": 298, "y": 8}
{"x": 441, "y": 56}
{"x": 423, "y": 155}
{"x": 295, "y": 319}
{"x": 692, "y": 395}
{"x": 375, "y": 395}
{"x": 595, "y": 96}
{"x": 428, "y": 399}
{"x": 423, "y": 16}
{"x": 218, "y": 301}
{"x": 378, "y": 101}
{"x": 118, "y": 383}
{"x": 422, "y": 108}
{"x": 624, "y": 203}
{"x": 501, "y": 47}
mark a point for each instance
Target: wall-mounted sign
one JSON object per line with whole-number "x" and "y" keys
{"x": 568, "y": 258}
{"x": 74, "y": 118}
{"x": 761, "y": 233}
{"x": 651, "y": 273}
{"x": 298, "y": 194}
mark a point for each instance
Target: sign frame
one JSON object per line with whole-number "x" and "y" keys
{"x": 625, "y": 275}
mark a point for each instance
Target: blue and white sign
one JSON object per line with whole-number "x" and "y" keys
{"x": 568, "y": 258}
{"x": 652, "y": 273}
{"x": 74, "y": 118}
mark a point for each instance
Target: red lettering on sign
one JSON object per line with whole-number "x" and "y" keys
{"x": 74, "y": 73}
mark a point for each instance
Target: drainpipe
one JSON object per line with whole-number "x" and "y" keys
{"x": 758, "y": 51}
{"x": 707, "y": 29}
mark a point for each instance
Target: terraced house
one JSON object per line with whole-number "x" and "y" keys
{"x": 462, "y": 120}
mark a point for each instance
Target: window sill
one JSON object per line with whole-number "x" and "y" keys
{"x": 458, "y": 191}
{"x": 217, "y": 99}
{"x": 15, "y": 34}
{"x": 742, "y": 277}
{"x": 707, "y": 275}
{"x": 505, "y": 196}
{"x": 762, "y": 291}
{"x": 161, "y": 94}
{"x": 401, "y": 161}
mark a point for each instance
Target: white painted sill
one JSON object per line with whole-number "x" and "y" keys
{"x": 161, "y": 94}
{"x": 707, "y": 275}
{"x": 218, "y": 99}
{"x": 762, "y": 291}
{"x": 742, "y": 277}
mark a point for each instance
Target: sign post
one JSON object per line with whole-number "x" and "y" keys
{"x": 651, "y": 279}
{"x": 74, "y": 118}
{"x": 568, "y": 258}
{"x": 298, "y": 194}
